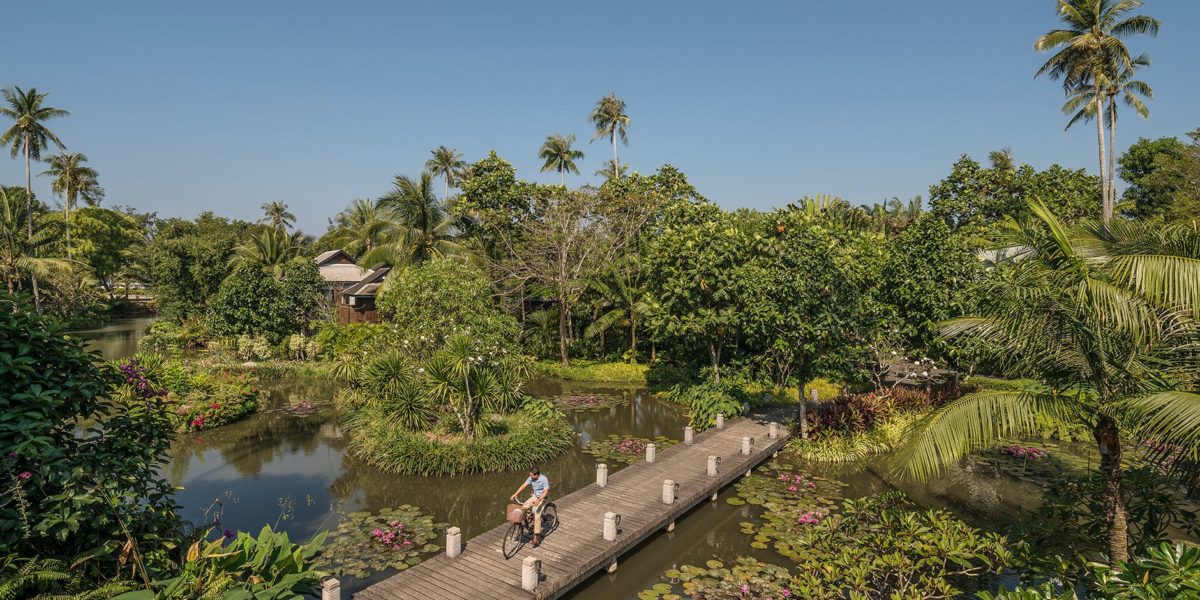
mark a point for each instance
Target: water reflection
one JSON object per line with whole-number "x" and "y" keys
{"x": 116, "y": 339}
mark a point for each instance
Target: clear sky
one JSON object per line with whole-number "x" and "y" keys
{"x": 214, "y": 105}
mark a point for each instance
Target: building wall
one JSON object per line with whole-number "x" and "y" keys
{"x": 347, "y": 314}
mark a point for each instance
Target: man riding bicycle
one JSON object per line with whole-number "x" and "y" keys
{"x": 539, "y": 485}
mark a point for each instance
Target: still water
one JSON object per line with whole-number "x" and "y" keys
{"x": 288, "y": 466}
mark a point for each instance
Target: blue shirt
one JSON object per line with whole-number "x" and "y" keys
{"x": 538, "y": 485}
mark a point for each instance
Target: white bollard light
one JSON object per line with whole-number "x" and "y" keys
{"x": 669, "y": 488}
{"x": 650, "y": 452}
{"x": 688, "y": 435}
{"x": 773, "y": 430}
{"x": 713, "y": 461}
{"x": 331, "y": 589}
{"x": 611, "y": 522}
{"x": 720, "y": 420}
{"x": 602, "y": 475}
{"x": 746, "y": 441}
{"x": 453, "y": 542}
{"x": 531, "y": 571}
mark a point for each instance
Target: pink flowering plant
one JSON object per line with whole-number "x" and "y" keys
{"x": 1025, "y": 452}
{"x": 625, "y": 449}
{"x": 393, "y": 538}
{"x": 196, "y": 398}
{"x": 747, "y": 579}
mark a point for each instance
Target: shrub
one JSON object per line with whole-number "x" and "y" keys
{"x": 527, "y": 440}
{"x": 586, "y": 370}
{"x": 75, "y": 465}
{"x": 253, "y": 301}
{"x": 704, "y": 401}
{"x": 1167, "y": 572}
{"x": 197, "y": 398}
{"x": 356, "y": 339}
{"x": 826, "y": 389}
{"x": 267, "y": 566}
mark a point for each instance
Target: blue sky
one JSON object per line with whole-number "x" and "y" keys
{"x": 184, "y": 107}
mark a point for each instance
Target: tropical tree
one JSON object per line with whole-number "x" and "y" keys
{"x": 1103, "y": 318}
{"x": 360, "y": 228}
{"x": 610, "y": 121}
{"x": 560, "y": 156}
{"x": 1090, "y": 51}
{"x": 424, "y": 227}
{"x": 73, "y": 180}
{"x": 272, "y": 249}
{"x": 1002, "y": 159}
{"x": 610, "y": 168}
{"x": 622, "y": 292}
{"x": 447, "y": 164}
{"x": 29, "y": 136}
{"x": 22, "y": 255}
{"x": 277, "y": 215}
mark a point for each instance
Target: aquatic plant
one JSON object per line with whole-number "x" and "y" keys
{"x": 393, "y": 538}
{"x": 790, "y": 500}
{"x": 589, "y": 401}
{"x": 1024, "y": 452}
{"x": 746, "y": 579}
{"x": 625, "y": 449}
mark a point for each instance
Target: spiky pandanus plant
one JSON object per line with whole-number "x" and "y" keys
{"x": 1104, "y": 319}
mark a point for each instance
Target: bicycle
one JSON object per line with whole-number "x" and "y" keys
{"x": 521, "y": 528}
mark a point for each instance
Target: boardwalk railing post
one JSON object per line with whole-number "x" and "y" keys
{"x": 650, "y": 452}
{"x": 531, "y": 572}
{"x": 746, "y": 442}
{"x": 720, "y": 420}
{"x": 453, "y": 542}
{"x": 713, "y": 461}
{"x": 602, "y": 475}
{"x": 688, "y": 434}
{"x": 669, "y": 488}
{"x": 331, "y": 589}
{"x": 611, "y": 522}
{"x": 773, "y": 430}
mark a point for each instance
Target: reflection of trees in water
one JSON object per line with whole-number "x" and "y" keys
{"x": 251, "y": 444}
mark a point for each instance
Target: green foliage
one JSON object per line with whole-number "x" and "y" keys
{"x": 1149, "y": 195}
{"x": 166, "y": 336}
{"x": 975, "y": 197}
{"x": 1046, "y": 591}
{"x": 1166, "y": 572}
{"x": 253, "y": 301}
{"x": 198, "y": 398}
{"x": 267, "y": 566}
{"x": 104, "y": 239}
{"x": 54, "y": 578}
{"x": 1172, "y": 187}
{"x": 706, "y": 400}
{"x": 430, "y": 302}
{"x": 388, "y": 386}
{"x": 358, "y": 339}
{"x": 393, "y": 538}
{"x": 66, "y": 486}
{"x": 588, "y": 370}
{"x": 625, "y": 449}
{"x": 749, "y": 578}
{"x": 926, "y": 278}
{"x": 878, "y": 547}
{"x": 525, "y": 440}
{"x": 186, "y": 261}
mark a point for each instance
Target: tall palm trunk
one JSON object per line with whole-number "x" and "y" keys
{"x": 616, "y": 165}
{"x": 1109, "y": 440}
{"x": 446, "y": 194}
{"x": 562, "y": 177}
{"x": 1112, "y": 150}
{"x": 68, "y": 202}
{"x": 1107, "y": 203}
{"x": 562, "y": 330}
{"x": 37, "y": 298}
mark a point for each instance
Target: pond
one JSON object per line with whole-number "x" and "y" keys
{"x": 288, "y": 466}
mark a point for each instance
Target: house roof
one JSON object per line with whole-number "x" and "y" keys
{"x": 342, "y": 273}
{"x": 331, "y": 256}
{"x": 369, "y": 284}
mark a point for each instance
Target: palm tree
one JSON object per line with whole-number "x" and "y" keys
{"x": 22, "y": 255}
{"x": 1104, "y": 319}
{"x": 447, "y": 164}
{"x": 29, "y": 136}
{"x": 362, "y": 227}
{"x": 273, "y": 248}
{"x": 559, "y": 156}
{"x": 1089, "y": 47}
{"x": 423, "y": 226}
{"x": 610, "y": 167}
{"x": 1002, "y": 160}
{"x": 276, "y": 215}
{"x": 610, "y": 120}
{"x": 72, "y": 181}
{"x": 623, "y": 291}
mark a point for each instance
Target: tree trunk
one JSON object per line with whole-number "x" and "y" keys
{"x": 802, "y": 414}
{"x": 632, "y": 336}
{"x": 562, "y": 330}
{"x": 616, "y": 165}
{"x": 562, "y": 178}
{"x": 68, "y": 201}
{"x": 714, "y": 353}
{"x": 1109, "y": 440}
{"x": 1112, "y": 151}
{"x": 446, "y": 194}
{"x": 1107, "y": 205}
{"x": 37, "y": 298}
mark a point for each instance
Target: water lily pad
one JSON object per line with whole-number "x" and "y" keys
{"x": 625, "y": 449}
{"x": 395, "y": 538}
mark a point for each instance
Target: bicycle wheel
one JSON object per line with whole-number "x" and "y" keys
{"x": 549, "y": 518}
{"x": 513, "y": 540}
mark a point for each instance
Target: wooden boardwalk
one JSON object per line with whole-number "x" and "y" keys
{"x": 576, "y": 548}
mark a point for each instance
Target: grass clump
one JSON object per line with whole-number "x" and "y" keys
{"x": 590, "y": 370}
